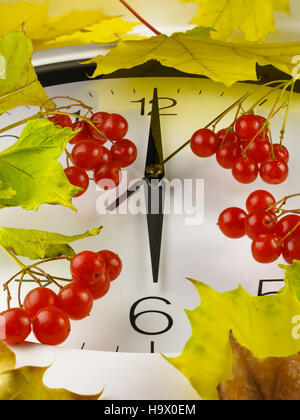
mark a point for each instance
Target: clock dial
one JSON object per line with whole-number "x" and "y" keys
{"x": 144, "y": 311}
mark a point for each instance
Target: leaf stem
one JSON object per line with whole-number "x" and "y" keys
{"x": 17, "y": 124}
{"x": 13, "y": 257}
{"x": 140, "y": 18}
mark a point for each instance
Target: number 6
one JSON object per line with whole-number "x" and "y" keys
{"x": 134, "y": 317}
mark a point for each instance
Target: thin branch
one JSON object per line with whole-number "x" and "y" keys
{"x": 140, "y": 18}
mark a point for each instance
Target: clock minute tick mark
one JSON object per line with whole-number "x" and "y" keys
{"x": 264, "y": 102}
{"x": 83, "y": 346}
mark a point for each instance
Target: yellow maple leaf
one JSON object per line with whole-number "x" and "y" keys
{"x": 194, "y": 52}
{"x": 264, "y": 325}
{"x": 52, "y": 30}
{"x": 254, "y": 17}
{"x": 26, "y": 384}
{"x": 19, "y": 84}
{"x": 14, "y": 15}
{"x": 105, "y": 32}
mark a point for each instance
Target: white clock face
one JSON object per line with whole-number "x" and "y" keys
{"x": 189, "y": 249}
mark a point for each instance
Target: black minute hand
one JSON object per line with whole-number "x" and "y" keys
{"x": 154, "y": 174}
{"x": 155, "y": 191}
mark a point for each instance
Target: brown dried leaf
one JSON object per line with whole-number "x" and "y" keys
{"x": 272, "y": 379}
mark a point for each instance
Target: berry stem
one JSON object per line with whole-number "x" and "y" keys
{"x": 280, "y": 84}
{"x": 53, "y": 277}
{"x": 272, "y": 143}
{"x": 17, "y": 124}
{"x": 9, "y": 298}
{"x": 20, "y": 290}
{"x": 140, "y": 18}
{"x": 77, "y": 116}
{"x": 78, "y": 102}
{"x": 290, "y": 233}
{"x": 212, "y": 123}
{"x": 49, "y": 277}
{"x": 48, "y": 113}
{"x": 282, "y": 132}
{"x": 283, "y": 201}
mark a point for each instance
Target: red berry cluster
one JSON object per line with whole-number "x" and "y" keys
{"x": 247, "y": 151}
{"x": 272, "y": 236}
{"x": 48, "y": 315}
{"x": 90, "y": 154}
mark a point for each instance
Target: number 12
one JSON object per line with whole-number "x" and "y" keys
{"x": 143, "y": 103}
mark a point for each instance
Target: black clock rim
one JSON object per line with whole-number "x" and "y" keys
{"x": 73, "y": 71}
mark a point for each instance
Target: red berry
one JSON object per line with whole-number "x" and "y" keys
{"x": 51, "y": 326}
{"x": 108, "y": 176}
{"x": 76, "y": 301}
{"x": 281, "y": 153}
{"x": 245, "y": 170}
{"x": 61, "y": 120}
{"x": 259, "y": 150}
{"x": 79, "y": 178}
{"x": 38, "y": 299}
{"x": 124, "y": 153}
{"x": 87, "y": 155}
{"x": 106, "y": 157}
{"x": 101, "y": 287}
{"x": 248, "y": 126}
{"x": 228, "y": 136}
{"x": 87, "y": 267}
{"x": 113, "y": 264}
{"x": 263, "y": 137}
{"x": 83, "y": 134}
{"x": 205, "y": 143}
{"x": 258, "y": 223}
{"x": 15, "y": 326}
{"x": 97, "y": 119}
{"x": 228, "y": 154}
{"x": 274, "y": 172}
{"x": 291, "y": 249}
{"x": 286, "y": 224}
{"x": 114, "y": 127}
{"x": 260, "y": 200}
{"x": 266, "y": 248}
{"x": 232, "y": 222}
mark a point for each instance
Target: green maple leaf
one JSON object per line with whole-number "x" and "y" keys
{"x": 261, "y": 324}
{"x": 26, "y": 384}
{"x": 19, "y": 84}
{"x": 6, "y": 191}
{"x": 194, "y": 52}
{"x": 30, "y": 168}
{"x": 292, "y": 276}
{"x": 35, "y": 244}
{"x": 254, "y": 17}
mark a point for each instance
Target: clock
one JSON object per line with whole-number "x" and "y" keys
{"x": 145, "y": 309}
